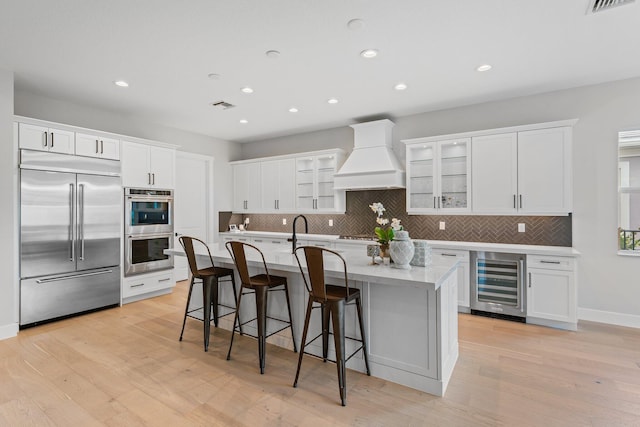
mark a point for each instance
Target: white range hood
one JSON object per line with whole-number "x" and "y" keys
{"x": 372, "y": 164}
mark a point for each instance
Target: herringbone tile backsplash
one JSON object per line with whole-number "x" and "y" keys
{"x": 360, "y": 220}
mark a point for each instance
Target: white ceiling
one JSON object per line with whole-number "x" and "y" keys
{"x": 74, "y": 49}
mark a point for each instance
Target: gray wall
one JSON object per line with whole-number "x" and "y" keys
{"x": 8, "y": 211}
{"x": 608, "y": 283}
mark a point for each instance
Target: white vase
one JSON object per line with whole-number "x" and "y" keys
{"x": 401, "y": 250}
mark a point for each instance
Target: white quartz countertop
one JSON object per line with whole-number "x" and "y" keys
{"x": 439, "y": 244}
{"x": 358, "y": 265}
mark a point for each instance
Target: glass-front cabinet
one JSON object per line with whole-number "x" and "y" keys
{"x": 438, "y": 175}
{"x": 314, "y": 183}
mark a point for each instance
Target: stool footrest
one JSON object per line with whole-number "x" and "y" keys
{"x": 304, "y": 345}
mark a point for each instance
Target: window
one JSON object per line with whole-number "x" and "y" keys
{"x": 629, "y": 192}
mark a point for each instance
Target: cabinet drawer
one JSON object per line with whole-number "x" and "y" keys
{"x": 144, "y": 283}
{"x": 268, "y": 241}
{"x": 463, "y": 256}
{"x": 550, "y": 262}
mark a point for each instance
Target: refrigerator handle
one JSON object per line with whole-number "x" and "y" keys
{"x": 81, "y": 219}
{"x": 72, "y": 247}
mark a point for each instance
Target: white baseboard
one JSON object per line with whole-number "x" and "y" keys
{"x": 8, "y": 331}
{"x": 610, "y": 317}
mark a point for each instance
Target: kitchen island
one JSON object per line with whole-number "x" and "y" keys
{"x": 410, "y": 316}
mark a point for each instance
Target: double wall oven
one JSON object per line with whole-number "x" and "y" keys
{"x": 148, "y": 230}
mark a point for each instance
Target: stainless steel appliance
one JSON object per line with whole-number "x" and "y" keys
{"x": 69, "y": 235}
{"x": 498, "y": 285}
{"x": 148, "y": 211}
{"x": 148, "y": 230}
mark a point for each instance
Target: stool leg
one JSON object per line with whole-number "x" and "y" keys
{"x": 364, "y": 341}
{"x": 261, "y": 314}
{"x": 236, "y": 320}
{"x": 186, "y": 308}
{"x": 293, "y": 337}
{"x": 236, "y": 297}
{"x": 337, "y": 316}
{"x": 326, "y": 316}
{"x": 214, "y": 300}
{"x": 304, "y": 339}
{"x": 206, "y": 302}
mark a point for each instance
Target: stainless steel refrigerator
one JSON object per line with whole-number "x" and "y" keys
{"x": 70, "y": 210}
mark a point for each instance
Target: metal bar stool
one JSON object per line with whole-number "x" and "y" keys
{"x": 211, "y": 278}
{"x": 332, "y": 300}
{"x": 261, "y": 285}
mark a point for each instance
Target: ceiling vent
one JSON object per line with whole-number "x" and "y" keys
{"x": 601, "y": 5}
{"x": 221, "y": 105}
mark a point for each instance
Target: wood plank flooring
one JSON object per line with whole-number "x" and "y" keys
{"x": 126, "y": 367}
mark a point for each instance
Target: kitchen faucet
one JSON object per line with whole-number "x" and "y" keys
{"x": 293, "y": 238}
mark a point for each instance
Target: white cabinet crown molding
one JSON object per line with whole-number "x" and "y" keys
{"x": 104, "y": 134}
{"x": 289, "y": 156}
{"x": 519, "y": 128}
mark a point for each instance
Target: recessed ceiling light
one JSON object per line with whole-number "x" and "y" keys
{"x": 369, "y": 53}
{"x": 244, "y": 121}
{"x": 400, "y": 86}
{"x": 293, "y": 110}
{"x": 484, "y": 67}
{"x": 214, "y": 76}
{"x": 332, "y": 101}
{"x": 121, "y": 83}
{"x": 355, "y": 24}
{"x": 273, "y": 54}
{"x": 246, "y": 89}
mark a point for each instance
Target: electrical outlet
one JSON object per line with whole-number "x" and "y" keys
{"x": 441, "y": 225}
{"x": 330, "y": 223}
{"x": 284, "y": 221}
{"x": 521, "y": 227}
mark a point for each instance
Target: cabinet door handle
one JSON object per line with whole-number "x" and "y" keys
{"x": 101, "y": 147}
{"x": 51, "y": 139}
{"x": 275, "y": 204}
{"x": 165, "y": 279}
{"x": 137, "y": 286}
{"x": 521, "y": 201}
{"x": 542, "y": 261}
{"x": 434, "y": 202}
{"x": 514, "y": 201}
{"x": 153, "y": 179}
{"x": 529, "y": 279}
{"x": 448, "y": 255}
{"x": 149, "y": 178}
{"x": 46, "y": 139}
{"x": 96, "y": 146}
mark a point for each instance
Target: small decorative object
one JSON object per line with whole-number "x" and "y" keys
{"x": 422, "y": 253}
{"x": 385, "y": 234}
{"x": 233, "y": 227}
{"x": 401, "y": 250}
{"x": 246, "y": 223}
{"x": 373, "y": 251}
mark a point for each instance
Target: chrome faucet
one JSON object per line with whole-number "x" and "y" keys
{"x": 293, "y": 238}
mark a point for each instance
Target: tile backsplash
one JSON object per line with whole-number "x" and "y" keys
{"x": 361, "y": 220}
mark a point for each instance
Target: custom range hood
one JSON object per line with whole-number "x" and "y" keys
{"x": 372, "y": 164}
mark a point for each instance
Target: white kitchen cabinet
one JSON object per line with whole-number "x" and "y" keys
{"x": 43, "y": 138}
{"x": 278, "y": 180}
{"x": 97, "y": 146}
{"x": 551, "y": 291}
{"x": 464, "y": 284}
{"x": 438, "y": 175}
{"x": 135, "y": 287}
{"x": 247, "y": 187}
{"x": 315, "y": 192}
{"x": 147, "y": 166}
{"x": 526, "y": 172}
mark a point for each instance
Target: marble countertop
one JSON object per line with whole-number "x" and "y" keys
{"x": 438, "y": 244}
{"x": 358, "y": 265}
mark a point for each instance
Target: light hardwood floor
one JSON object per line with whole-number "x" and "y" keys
{"x": 126, "y": 367}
